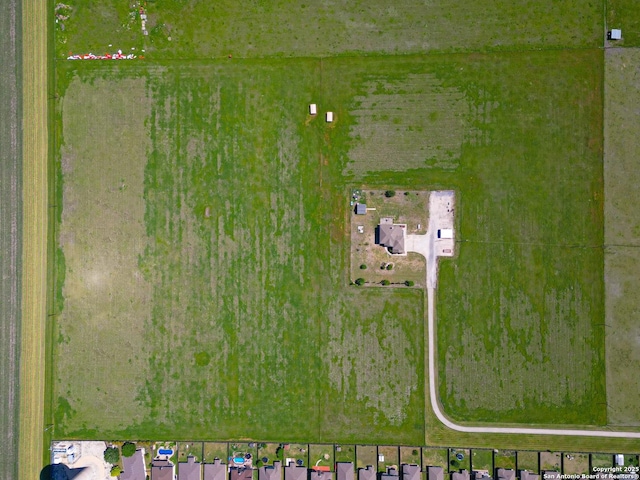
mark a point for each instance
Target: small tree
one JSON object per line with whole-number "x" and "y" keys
{"x": 390, "y": 266}
{"x": 259, "y": 463}
{"x": 390, "y": 193}
{"x": 128, "y": 449}
{"x": 360, "y": 281}
{"x": 116, "y": 470}
{"x": 112, "y": 455}
{"x": 385, "y": 282}
{"x": 363, "y": 267}
{"x": 409, "y": 283}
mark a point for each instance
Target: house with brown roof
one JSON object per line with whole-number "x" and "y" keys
{"x": 162, "y": 470}
{"x": 215, "y": 471}
{"x": 527, "y": 475}
{"x": 461, "y": 475}
{"x": 505, "y": 474}
{"x": 240, "y": 473}
{"x": 270, "y": 472}
{"x": 295, "y": 472}
{"x": 133, "y": 467}
{"x": 411, "y": 472}
{"x": 391, "y": 236}
{"x": 344, "y": 471}
{"x": 191, "y": 470}
{"x": 435, "y": 473}
{"x": 390, "y": 474}
{"x": 368, "y": 473}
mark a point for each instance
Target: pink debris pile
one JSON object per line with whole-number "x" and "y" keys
{"x": 106, "y": 56}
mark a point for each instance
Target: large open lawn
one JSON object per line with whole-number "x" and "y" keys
{"x": 10, "y": 232}
{"x": 204, "y": 251}
{"x": 622, "y": 233}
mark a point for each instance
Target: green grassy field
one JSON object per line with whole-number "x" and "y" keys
{"x": 193, "y": 29}
{"x": 624, "y": 14}
{"x": 241, "y": 314}
{"x": 622, "y": 230}
{"x": 11, "y": 233}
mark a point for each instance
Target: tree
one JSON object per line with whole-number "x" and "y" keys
{"x": 390, "y": 193}
{"x": 360, "y": 282}
{"x": 112, "y": 455}
{"x": 390, "y": 266}
{"x": 128, "y": 449}
{"x": 116, "y": 470}
{"x": 409, "y": 283}
{"x": 363, "y": 267}
{"x": 259, "y": 463}
{"x": 385, "y": 282}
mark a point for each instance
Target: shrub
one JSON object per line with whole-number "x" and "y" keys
{"x": 112, "y": 455}
{"x": 390, "y": 193}
{"x": 363, "y": 267}
{"x": 259, "y": 463}
{"x": 390, "y": 266}
{"x": 115, "y": 471}
{"x": 409, "y": 283}
{"x": 385, "y": 282}
{"x": 128, "y": 449}
{"x": 360, "y": 281}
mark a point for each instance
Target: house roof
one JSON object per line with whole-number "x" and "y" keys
{"x": 461, "y": 475}
{"x": 320, "y": 475}
{"x": 270, "y": 472}
{"x": 295, "y": 472}
{"x": 133, "y": 467}
{"x": 191, "y": 470}
{"x": 506, "y": 474}
{"x": 392, "y": 237}
{"x": 162, "y": 470}
{"x": 526, "y": 475}
{"x": 390, "y": 474}
{"x": 344, "y": 471}
{"x": 435, "y": 473}
{"x": 368, "y": 473}
{"x": 241, "y": 473}
{"x": 411, "y": 472}
{"x": 215, "y": 471}
{"x": 361, "y": 209}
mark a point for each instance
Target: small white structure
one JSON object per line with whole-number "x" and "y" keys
{"x": 445, "y": 233}
{"x": 380, "y": 458}
{"x": 313, "y": 109}
{"x": 619, "y": 460}
{"x": 616, "y": 34}
{"x": 360, "y": 228}
{"x": 329, "y": 117}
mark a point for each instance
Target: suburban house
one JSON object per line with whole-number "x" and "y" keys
{"x": 270, "y": 472}
{"x": 241, "y": 473}
{"x": 295, "y": 472}
{"x": 391, "y": 236}
{"x": 215, "y": 471}
{"x": 344, "y": 471}
{"x": 461, "y": 475}
{"x": 526, "y": 475}
{"x": 411, "y": 472}
{"x": 162, "y": 470}
{"x": 191, "y": 470}
{"x": 505, "y": 474}
{"x": 481, "y": 475}
{"x": 321, "y": 475}
{"x": 133, "y": 467}
{"x": 368, "y": 473}
{"x": 435, "y": 473}
{"x": 390, "y": 474}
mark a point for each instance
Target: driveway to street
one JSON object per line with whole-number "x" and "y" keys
{"x": 425, "y": 246}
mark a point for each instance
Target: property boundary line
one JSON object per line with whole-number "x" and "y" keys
{"x": 34, "y": 264}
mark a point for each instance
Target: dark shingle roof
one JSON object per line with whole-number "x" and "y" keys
{"x": 241, "y": 473}
{"x": 162, "y": 470}
{"x": 270, "y": 472}
{"x": 392, "y": 237}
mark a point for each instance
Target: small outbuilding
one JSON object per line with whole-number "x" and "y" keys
{"x": 619, "y": 460}
{"x": 313, "y": 110}
{"x": 615, "y": 34}
{"x": 361, "y": 208}
{"x": 329, "y": 117}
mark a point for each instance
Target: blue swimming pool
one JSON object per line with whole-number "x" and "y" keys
{"x": 238, "y": 460}
{"x": 165, "y": 451}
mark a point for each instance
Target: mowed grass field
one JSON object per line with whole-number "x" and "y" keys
{"x": 193, "y": 29}
{"x": 239, "y": 323}
{"x": 625, "y": 15}
{"x": 35, "y": 213}
{"x": 622, "y": 233}
{"x": 11, "y": 233}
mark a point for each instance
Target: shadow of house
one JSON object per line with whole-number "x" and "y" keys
{"x": 63, "y": 472}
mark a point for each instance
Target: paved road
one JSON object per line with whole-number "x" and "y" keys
{"x": 424, "y": 245}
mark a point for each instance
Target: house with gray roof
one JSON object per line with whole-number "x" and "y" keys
{"x": 411, "y": 472}
{"x": 295, "y": 472}
{"x": 461, "y": 475}
{"x": 344, "y": 471}
{"x": 505, "y": 474}
{"x": 240, "y": 473}
{"x": 435, "y": 473}
{"x": 361, "y": 209}
{"x": 215, "y": 471}
{"x": 133, "y": 468}
{"x": 391, "y": 236}
{"x": 270, "y": 472}
{"x": 527, "y": 475}
{"x": 320, "y": 475}
{"x": 481, "y": 475}
{"x": 368, "y": 473}
{"x": 191, "y": 470}
{"x": 390, "y": 474}
{"x": 162, "y": 470}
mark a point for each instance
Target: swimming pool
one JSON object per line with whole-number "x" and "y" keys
{"x": 165, "y": 451}
{"x": 238, "y": 460}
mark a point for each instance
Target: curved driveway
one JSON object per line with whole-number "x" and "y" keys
{"x": 424, "y": 245}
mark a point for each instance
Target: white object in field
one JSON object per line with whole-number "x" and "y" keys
{"x": 329, "y": 117}
{"x": 445, "y": 233}
{"x": 616, "y": 34}
{"x": 380, "y": 458}
{"x": 313, "y": 109}
{"x": 619, "y": 460}
{"x": 360, "y": 228}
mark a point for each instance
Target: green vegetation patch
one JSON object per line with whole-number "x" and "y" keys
{"x": 624, "y": 14}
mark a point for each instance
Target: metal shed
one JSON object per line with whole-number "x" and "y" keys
{"x": 313, "y": 109}
{"x": 329, "y": 117}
